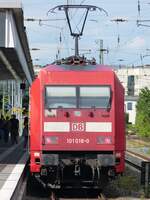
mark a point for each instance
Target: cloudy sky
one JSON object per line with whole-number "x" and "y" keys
{"x": 127, "y": 43}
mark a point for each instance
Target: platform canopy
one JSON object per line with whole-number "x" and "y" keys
{"x": 15, "y": 58}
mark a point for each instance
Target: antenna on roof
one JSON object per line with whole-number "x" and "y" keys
{"x": 76, "y": 35}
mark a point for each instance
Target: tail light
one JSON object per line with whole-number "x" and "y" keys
{"x": 50, "y": 140}
{"x": 37, "y": 157}
{"x": 37, "y": 154}
{"x": 104, "y": 140}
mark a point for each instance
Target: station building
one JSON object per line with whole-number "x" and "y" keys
{"x": 16, "y": 68}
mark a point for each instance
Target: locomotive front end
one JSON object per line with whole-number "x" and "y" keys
{"x": 77, "y": 145}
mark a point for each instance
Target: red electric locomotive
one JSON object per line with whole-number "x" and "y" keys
{"x": 76, "y": 121}
{"x": 77, "y": 124}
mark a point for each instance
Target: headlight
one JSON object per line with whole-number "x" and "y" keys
{"x": 104, "y": 140}
{"x": 118, "y": 155}
{"x": 51, "y": 140}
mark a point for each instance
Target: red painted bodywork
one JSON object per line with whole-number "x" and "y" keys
{"x": 57, "y": 75}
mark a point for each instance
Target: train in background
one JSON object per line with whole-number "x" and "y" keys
{"x": 77, "y": 131}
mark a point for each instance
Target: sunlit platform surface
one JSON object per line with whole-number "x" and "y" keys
{"x": 13, "y": 159}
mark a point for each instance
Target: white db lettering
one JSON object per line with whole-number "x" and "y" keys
{"x": 77, "y": 127}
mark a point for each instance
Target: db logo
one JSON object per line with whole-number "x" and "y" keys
{"x": 77, "y": 127}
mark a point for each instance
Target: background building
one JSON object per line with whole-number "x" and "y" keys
{"x": 133, "y": 80}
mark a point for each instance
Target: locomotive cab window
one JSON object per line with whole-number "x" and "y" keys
{"x": 60, "y": 97}
{"x": 94, "y": 97}
{"x": 77, "y": 97}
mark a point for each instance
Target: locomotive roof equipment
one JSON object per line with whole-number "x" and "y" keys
{"x": 66, "y": 8}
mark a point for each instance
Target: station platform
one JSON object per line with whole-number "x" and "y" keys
{"x": 13, "y": 159}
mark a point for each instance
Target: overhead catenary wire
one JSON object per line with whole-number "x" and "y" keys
{"x": 80, "y": 20}
{"x": 122, "y": 42}
{"x": 139, "y": 8}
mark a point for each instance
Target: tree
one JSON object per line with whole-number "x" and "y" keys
{"x": 143, "y": 113}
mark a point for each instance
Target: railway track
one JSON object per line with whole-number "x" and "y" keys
{"x": 142, "y": 164}
{"x": 135, "y": 159}
{"x": 36, "y": 192}
{"x": 144, "y": 158}
{"x": 53, "y": 196}
{"x": 132, "y": 158}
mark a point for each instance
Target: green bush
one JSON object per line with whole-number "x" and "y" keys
{"x": 143, "y": 113}
{"x": 130, "y": 129}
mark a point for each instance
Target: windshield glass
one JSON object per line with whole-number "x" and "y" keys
{"x": 77, "y": 97}
{"x": 61, "y": 97}
{"x": 96, "y": 97}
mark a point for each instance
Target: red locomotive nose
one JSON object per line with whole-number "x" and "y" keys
{"x": 76, "y": 114}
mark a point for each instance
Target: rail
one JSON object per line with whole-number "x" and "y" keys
{"x": 142, "y": 164}
{"x": 100, "y": 196}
